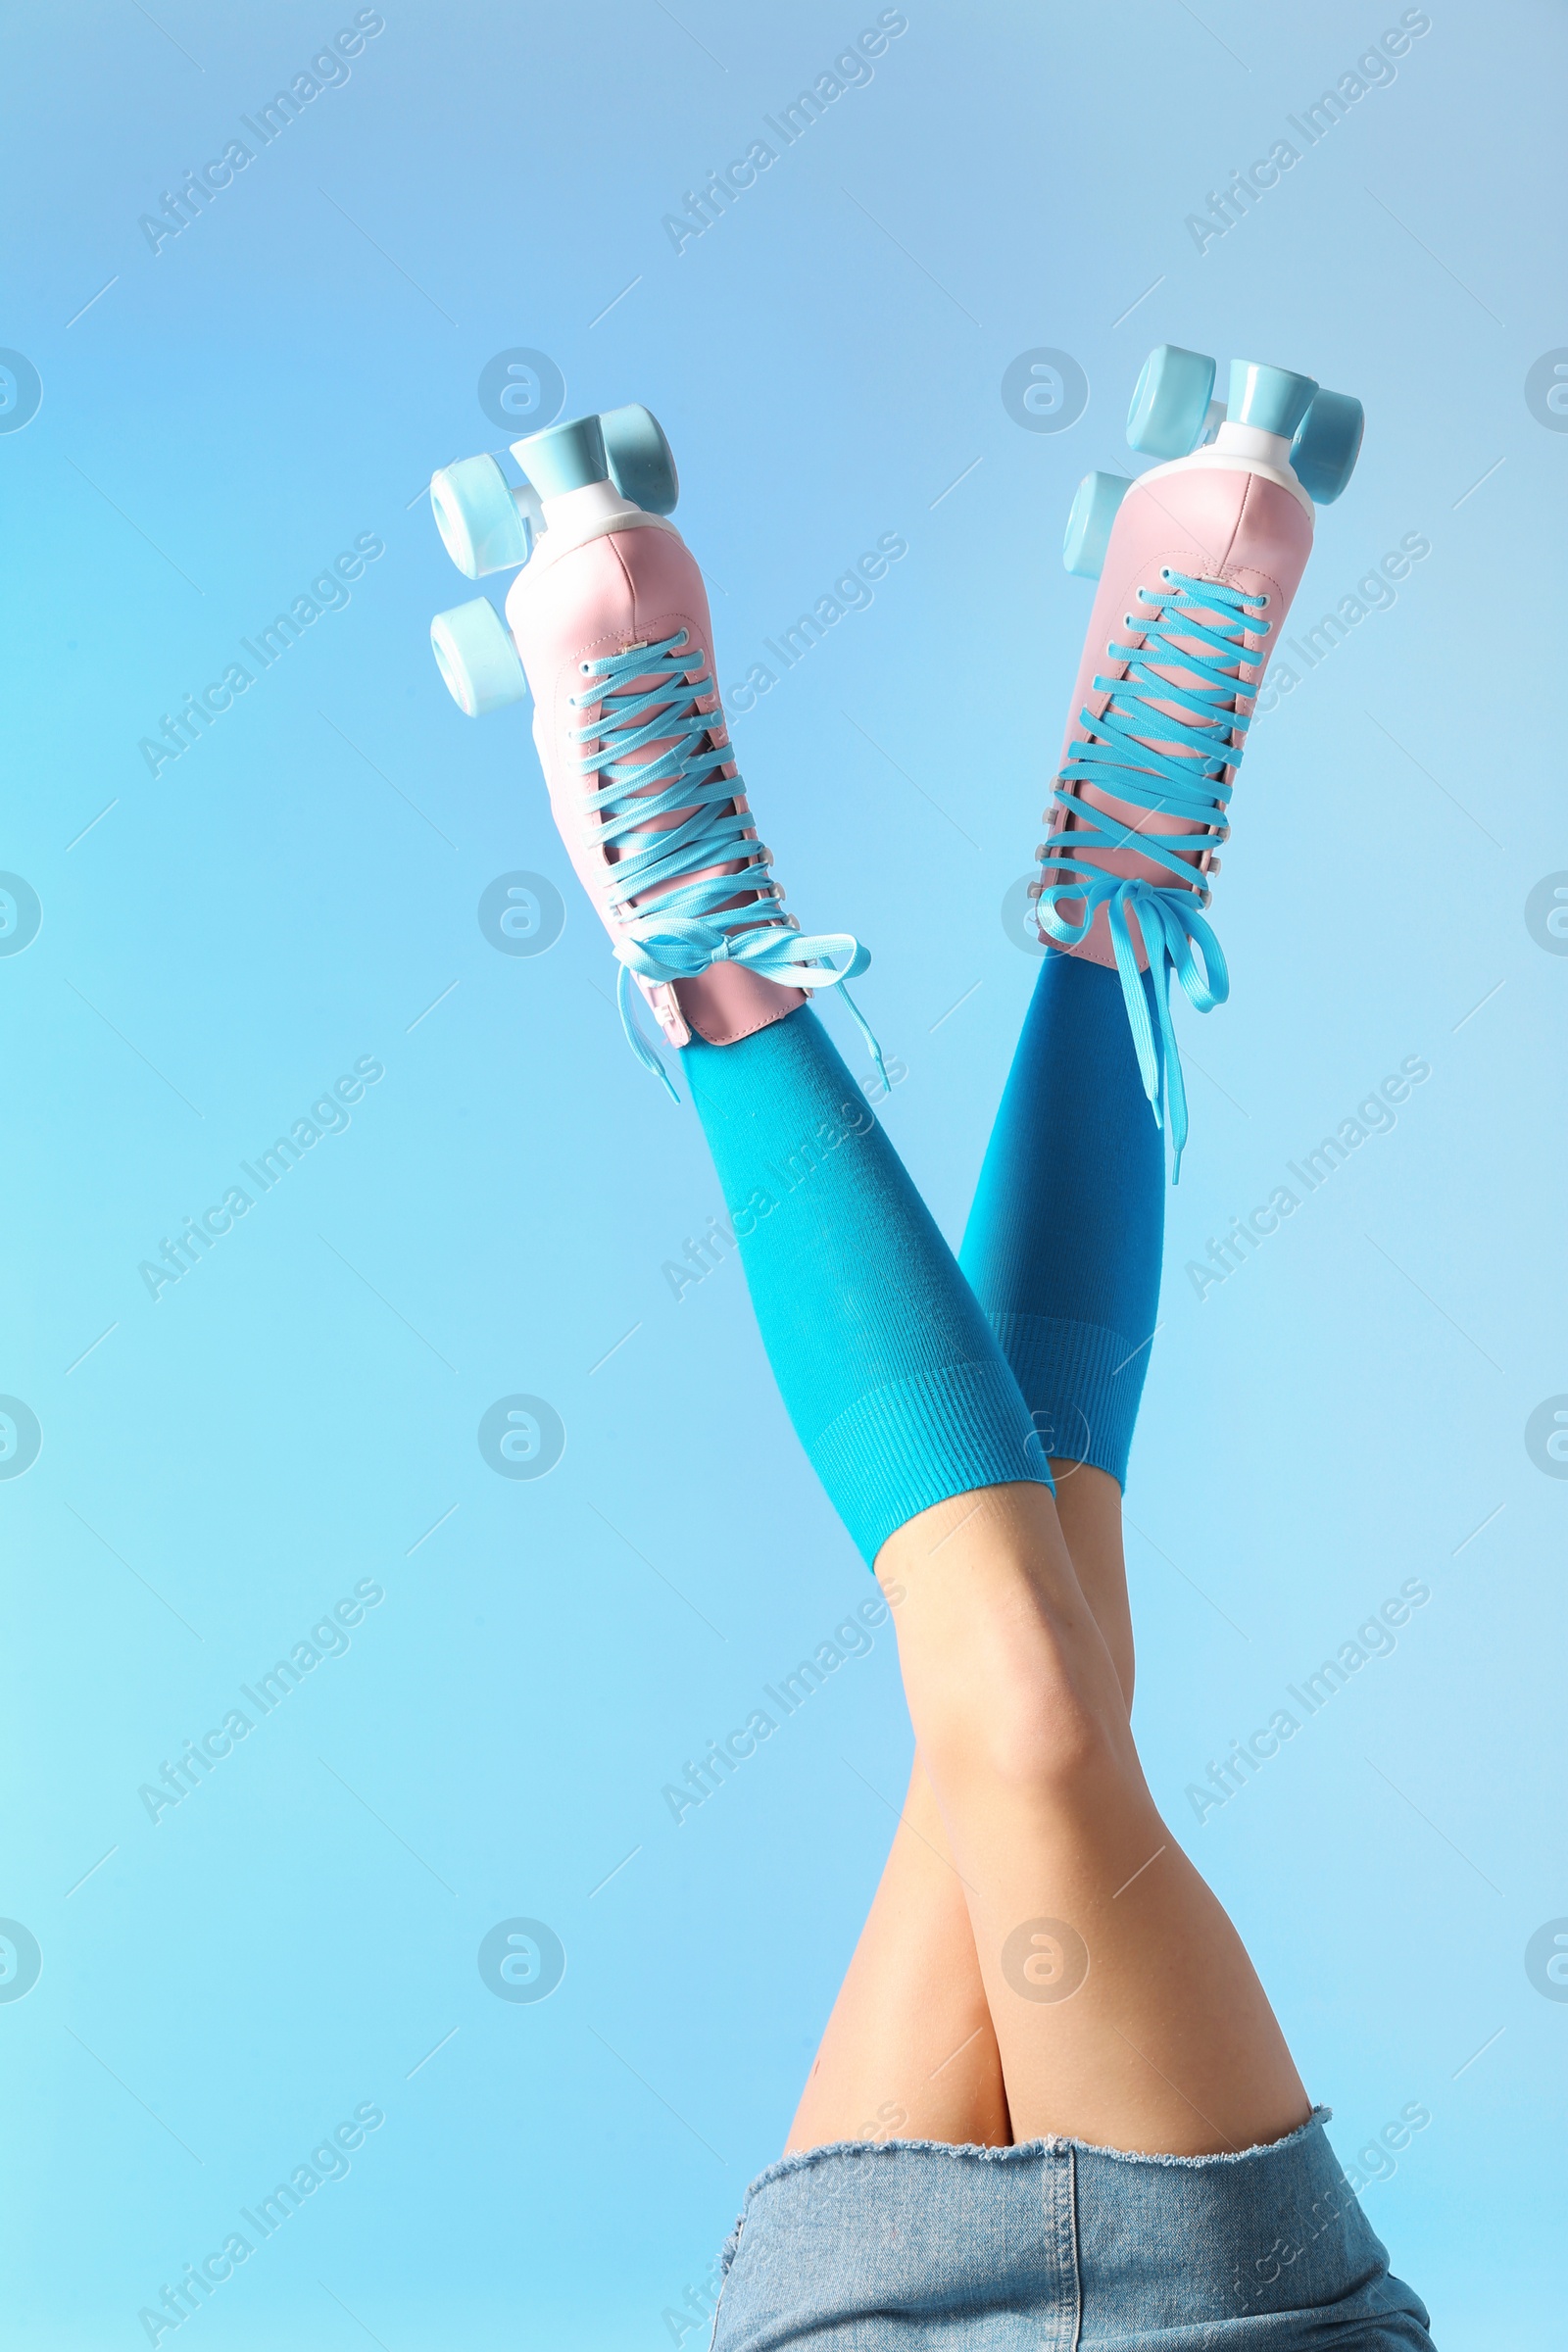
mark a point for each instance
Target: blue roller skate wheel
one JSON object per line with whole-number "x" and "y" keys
{"x": 478, "y": 518}
{"x": 564, "y": 457}
{"x": 1271, "y": 399}
{"x": 1170, "y": 402}
{"x": 641, "y": 465}
{"x": 475, "y": 656}
{"x": 1094, "y": 511}
{"x": 1327, "y": 444}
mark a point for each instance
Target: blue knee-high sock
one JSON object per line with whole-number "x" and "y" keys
{"x": 1063, "y": 1243}
{"x": 887, "y": 1367}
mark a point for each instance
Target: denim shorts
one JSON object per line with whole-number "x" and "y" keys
{"x": 1058, "y": 2246}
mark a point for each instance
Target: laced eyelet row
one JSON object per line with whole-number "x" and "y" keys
{"x": 1195, "y": 629}
{"x": 665, "y": 890}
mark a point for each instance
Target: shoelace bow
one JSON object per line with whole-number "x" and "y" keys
{"x": 690, "y": 924}
{"x": 1121, "y": 754}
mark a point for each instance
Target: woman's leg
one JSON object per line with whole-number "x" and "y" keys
{"x": 1063, "y": 1247}
{"x": 896, "y": 1388}
{"x": 1063, "y": 1253}
{"x": 1125, "y": 2008}
{"x": 909, "y": 2051}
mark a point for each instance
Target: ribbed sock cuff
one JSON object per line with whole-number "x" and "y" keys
{"x": 920, "y": 1440}
{"x": 1080, "y": 1383}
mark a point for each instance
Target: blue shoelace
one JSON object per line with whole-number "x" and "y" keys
{"x": 691, "y": 925}
{"x": 1121, "y": 755}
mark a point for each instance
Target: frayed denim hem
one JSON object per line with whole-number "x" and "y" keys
{"x": 1048, "y": 2142}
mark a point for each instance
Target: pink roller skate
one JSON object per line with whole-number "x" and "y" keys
{"x": 1197, "y": 561}
{"x": 608, "y": 624}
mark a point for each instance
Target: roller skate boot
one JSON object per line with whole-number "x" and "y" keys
{"x": 607, "y": 624}
{"x": 1197, "y": 561}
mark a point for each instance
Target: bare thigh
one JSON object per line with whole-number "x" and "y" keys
{"x": 909, "y": 2051}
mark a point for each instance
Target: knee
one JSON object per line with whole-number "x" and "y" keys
{"x": 1048, "y": 1741}
{"x": 1031, "y": 1720}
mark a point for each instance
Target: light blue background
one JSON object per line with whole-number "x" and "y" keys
{"x": 297, "y": 890}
